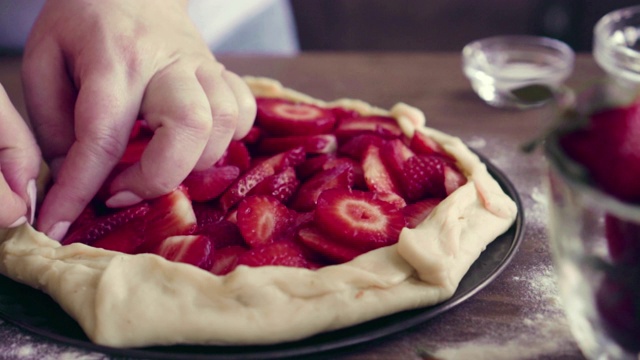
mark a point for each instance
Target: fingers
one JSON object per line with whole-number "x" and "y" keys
{"x": 105, "y": 110}
{"x": 194, "y": 118}
{"x": 178, "y": 111}
{"x": 19, "y": 166}
{"x": 50, "y": 98}
{"x": 246, "y": 104}
{"x": 224, "y": 112}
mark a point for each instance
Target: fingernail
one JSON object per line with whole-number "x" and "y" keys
{"x": 32, "y": 191}
{"x": 122, "y": 199}
{"x": 59, "y": 230}
{"x": 21, "y": 220}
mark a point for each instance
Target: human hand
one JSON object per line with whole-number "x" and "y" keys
{"x": 91, "y": 68}
{"x": 19, "y": 166}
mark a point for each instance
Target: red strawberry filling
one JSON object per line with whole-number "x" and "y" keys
{"x": 608, "y": 147}
{"x": 307, "y": 187}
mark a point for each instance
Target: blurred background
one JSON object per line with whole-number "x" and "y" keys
{"x": 285, "y": 27}
{"x": 423, "y": 25}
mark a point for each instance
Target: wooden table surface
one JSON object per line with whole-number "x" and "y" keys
{"x": 518, "y": 315}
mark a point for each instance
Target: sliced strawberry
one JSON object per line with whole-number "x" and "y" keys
{"x": 207, "y": 213}
{"x": 313, "y": 165}
{"x": 237, "y": 155}
{"x": 241, "y": 187}
{"x": 386, "y": 127}
{"x": 312, "y": 144}
{"x": 415, "y": 213}
{"x": 379, "y": 179}
{"x": 423, "y": 176}
{"x": 122, "y": 231}
{"x": 357, "y": 145}
{"x": 335, "y": 252}
{"x": 226, "y": 259}
{"x": 222, "y": 234}
{"x": 358, "y": 218}
{"x": 282, "y": 117}
{"x": 358, "y": 171}
{"x": 453, "y": 178}
{"x": 196, "y": 250}
{"x": 340, "y": 176}
{"x": 395, "y": 154}
{"x": 281, "y": 185}
{"x": 342, "y": 113}
{"x": 208, "y": 184}
{"x": 422, "y": 144}
{"x": 253, "y": 136}
{"x": 260, "y": 171}
{"x": 169, "y": 215}
{"x": 281, "y": 253}
{"x": 262, "y": 220}
{"x": 88, "y": 215}
{"x": 289, "y": 158}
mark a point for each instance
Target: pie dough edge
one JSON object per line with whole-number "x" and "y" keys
{"x": 128, "y": 301}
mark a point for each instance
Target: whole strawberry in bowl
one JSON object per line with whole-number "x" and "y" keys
{"x": 594, "y": 192}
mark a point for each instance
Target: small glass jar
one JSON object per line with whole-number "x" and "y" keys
{"x": 595, "y": 242}
{"x": 498, "y": 66}
{"x": 616, "y": 46}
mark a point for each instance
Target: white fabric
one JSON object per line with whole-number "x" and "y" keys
{"x": 228, "y": 26}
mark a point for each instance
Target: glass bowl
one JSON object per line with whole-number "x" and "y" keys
{"x": 497, "y": 66}
{"x": 595, "y": 242}
{"x": 616, "y": 45}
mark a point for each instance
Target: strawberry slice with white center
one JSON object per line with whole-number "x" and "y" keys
{"x": 423, "y": 177}
{"x": 196, "y": 250}
{"x": 358, "y": 218}
{"x": 226, "y": 259}
{"x": 378, "y": 177}
{"x": 122, "y": 231}
{"x": 386, "y": 127}
{"x": 262, "y": 220}
{"x": 281, "y": 253}
{"x": 395, "y": 154}
{"x": 340, "y": 176}
{"x": 259, "y": 172}
{"x": 423, "y": 144}
{"x": 283, "y": 118}
{"x": 312, "y": 144}
{"x": 281, "y": 185}
{"x": 334, "y": 252}
{"x": 208, "y": 184}
{"x": 169, "y": 215}
{"x": 417, "y": 212}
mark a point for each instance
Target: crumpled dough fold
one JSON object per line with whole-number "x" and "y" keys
{"x": 125, "y": 300}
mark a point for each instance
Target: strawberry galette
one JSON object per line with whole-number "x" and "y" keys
{"x": 326, "y": 215}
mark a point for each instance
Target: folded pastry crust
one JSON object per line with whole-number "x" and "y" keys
{"x": 125, "y": 300}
